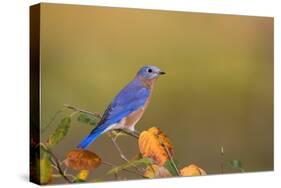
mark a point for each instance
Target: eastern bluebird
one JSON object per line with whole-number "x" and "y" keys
{"x": 128, "y": 106}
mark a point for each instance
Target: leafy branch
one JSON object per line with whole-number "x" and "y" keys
{"x": 156, "y": 158}
{"x": 95, "y": 114}
{"x": 55, "y": 162}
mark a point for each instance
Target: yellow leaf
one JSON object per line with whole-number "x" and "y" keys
{"x": 154, "y": 144}
{"x": 155, "y": 171}
{"x": 80, "y": 159}
{"x": 192, "y": 170}
{"x": 45, "y": 168}
{"x": 83, "y": 174}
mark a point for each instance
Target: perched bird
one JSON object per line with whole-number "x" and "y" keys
{"x": 128, "y": 106}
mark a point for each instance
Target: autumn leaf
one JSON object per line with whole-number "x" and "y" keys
{"x": 60, "y": 132}
{"x": 82, "y": 176}
{"x": 80, "y": 159}
{"x": 154, "y": 144}
{"x": 45, "y": 168}
{"x": 155, "y": 171}
{"x": 192, "y": 170}
{"x": 163, "y": 139}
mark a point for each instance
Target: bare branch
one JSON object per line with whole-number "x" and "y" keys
{"x": 130, "y": 133}
{"x": 56, "y": 163}
{"x": 127, "y": 170}
{"x": 83, "y": 111}
{"x": 122, "y": 155}
{"x": 222, "y": 159}
{"x": 96, "y": 114}
{"x": 118, "y": 148}
{"x": 51, "y": 121}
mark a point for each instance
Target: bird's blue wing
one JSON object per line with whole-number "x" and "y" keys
{"x": 128, "y": 100}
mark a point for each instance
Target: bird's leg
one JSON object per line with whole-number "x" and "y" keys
{"x": 113, "y": 139}
{"x": 133, "y": 131}
{"x": 130, "y": 132}
{"x": 137, "y": 133}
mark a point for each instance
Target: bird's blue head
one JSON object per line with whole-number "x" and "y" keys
{"x": 150, "y": 72}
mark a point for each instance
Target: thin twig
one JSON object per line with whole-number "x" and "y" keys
{"x": 56, "y": 175}
{"x": 130, "y": 133}
{"x": 126, "y": 131}
{"x": 83, "y": 111}
{"x": 118, "y": 148}
{"x": 122, "y": 155}
{"x": 51, "y": 121}
{"x": 59, "y": 168}
{"x": 73, "y": 114}
{"x": 54, "y": 166}
{"x": 222, "y": 160}
{"x": 96, "y": 114}
{"x": 127, "y": 170}
{"x": 59, "y": 176}
{"x": 171, "y": 158}
{"x": 116, "y": 176}
{"x": 56, "y": 163}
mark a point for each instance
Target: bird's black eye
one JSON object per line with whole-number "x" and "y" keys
{"x": 149, "y": 70}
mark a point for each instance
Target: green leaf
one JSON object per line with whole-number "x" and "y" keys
{"x": 60, "y": 132}
{"x": 45, "y": 167}
{"x": 236, "y": 164}
{"x": 84, "y": 118}
{"x": 77, "y": 180}
{"x": 132, "y": 163}
{"x": 171, "y": 167}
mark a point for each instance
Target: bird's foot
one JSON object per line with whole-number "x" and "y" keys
{"x": 132, "y": 132}
{"x": 136, "y": 132}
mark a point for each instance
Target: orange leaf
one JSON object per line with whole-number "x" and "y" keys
{"x": 192, "y": 170}
{"x": 80, "y": 159}
{"x": 155, "y": 171}
{"x": 154, "y": 144}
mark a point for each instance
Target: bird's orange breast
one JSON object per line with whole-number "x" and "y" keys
{"x": 135, "y": 116}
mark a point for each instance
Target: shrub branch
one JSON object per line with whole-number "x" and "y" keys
{"x": 56, "y": 163}
{"x": 95, "y": 114}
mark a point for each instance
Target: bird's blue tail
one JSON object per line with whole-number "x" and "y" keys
{"x": 96, "y": 132}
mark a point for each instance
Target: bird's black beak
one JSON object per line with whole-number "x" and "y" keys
{"x": 161, "y": 73}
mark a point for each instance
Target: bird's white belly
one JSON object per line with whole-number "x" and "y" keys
{"x": 128, "y": 122}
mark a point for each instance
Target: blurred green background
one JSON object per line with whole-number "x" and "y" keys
{"x": 218, "y": 90}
